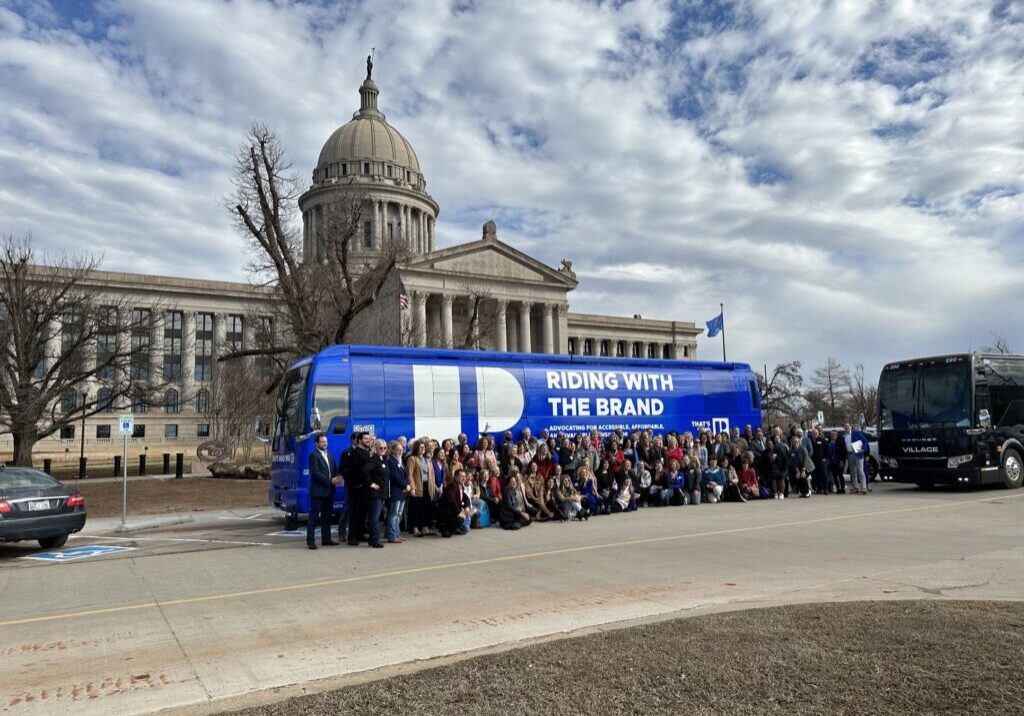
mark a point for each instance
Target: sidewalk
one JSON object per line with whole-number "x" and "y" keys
{"x": 194, "y": 519}
{"x": 131, "y": 478}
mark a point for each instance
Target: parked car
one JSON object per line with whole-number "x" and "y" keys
{"x": 33, "y": 505}
{"x": 873, "y": 460}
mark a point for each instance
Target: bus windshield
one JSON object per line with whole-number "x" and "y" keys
{"x": 945, "y": 396}
{"x": 896, "y": 399}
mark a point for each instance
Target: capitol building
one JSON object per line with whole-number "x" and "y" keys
{"x": 528, "y": 300}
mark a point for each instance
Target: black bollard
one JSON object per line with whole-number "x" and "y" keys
{"x": 179, "y": 464}
{"x": 142, "y": 464}
{"x": 117, "y": 466}
{"x": 167, "y": 464}
{"x": 81, "y": 467}
{"x": 47, "y": 466}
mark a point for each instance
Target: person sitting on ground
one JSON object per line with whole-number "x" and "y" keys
{"x": 675, "y": 482}
{"x": 570, "y": 501}
{"x": 714, "y": 480}
{"x": 453, "y": 507}
{"x": 694, "y": 477}
{"x": 625, "y": 500}
{"x": 491, "y": 491}
{"x": 731, "y": 492}
{"x": 605, "y": 485}
{"x": 643, "y": 480}
{"x": 657, "y": 483}
{"x": 549, "y": 496}
{"x": 513, "y": 515}
{"x": 588, "y": 490}
{"x": 749, "y": 486}
{"x": 533, "y": 485}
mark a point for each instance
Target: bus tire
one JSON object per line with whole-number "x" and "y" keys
{"x": 291, "y": 521}
{"x": 1012, "y": 469}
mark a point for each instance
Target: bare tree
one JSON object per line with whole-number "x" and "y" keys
{"x": 319, "y": 298}
{"x": 235, "y": 401}
{"x": 999, "y": 345}
{"x": 863, "y": 396}
{"x": 832, "y": 380}
{"x": 481, "y": 319}
{"x": 781, "y": 396}
{"x": 64, "y": 355}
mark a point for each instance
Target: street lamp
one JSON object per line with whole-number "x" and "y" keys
{"x": 81, "y": 454}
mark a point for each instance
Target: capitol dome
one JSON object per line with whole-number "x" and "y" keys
{"x": 367, "y": 146}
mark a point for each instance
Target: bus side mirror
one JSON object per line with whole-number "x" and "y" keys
{"x": 984, "y": 419}
{"x": 338, "y": 426}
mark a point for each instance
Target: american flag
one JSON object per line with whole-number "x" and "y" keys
{"x": 403, "y": 297}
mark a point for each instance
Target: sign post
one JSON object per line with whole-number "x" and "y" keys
{"x": 126, "y": 427}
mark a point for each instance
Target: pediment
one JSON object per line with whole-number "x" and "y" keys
{"x": 489, "y": 259}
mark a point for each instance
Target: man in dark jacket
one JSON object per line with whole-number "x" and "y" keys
{"x": 453, "y": 507}
{"x": 357, "y": 494}
{"x": 322, "y": 470}
{"x": 378, "y": 483}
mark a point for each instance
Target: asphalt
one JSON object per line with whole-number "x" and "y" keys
{"x": 206, "y": 616}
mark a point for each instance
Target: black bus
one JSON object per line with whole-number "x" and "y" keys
{"x": 955, "y": 420}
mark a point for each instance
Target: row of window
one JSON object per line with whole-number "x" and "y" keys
{"x": 622, "y": 349}
{"x": 171, "y": 402}
{"x": 366, "y": 169}
{"x": 142, "y": 327}
{"x": 103, "y": 431}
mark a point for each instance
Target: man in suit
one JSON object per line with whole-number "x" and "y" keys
{"x": 322, "y": 471}
{"x": 357, "y": 493}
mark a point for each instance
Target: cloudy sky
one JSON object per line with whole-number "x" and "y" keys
{"x": 846, "y": 176}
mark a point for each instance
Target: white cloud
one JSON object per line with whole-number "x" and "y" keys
{"x": 846, "y": 177}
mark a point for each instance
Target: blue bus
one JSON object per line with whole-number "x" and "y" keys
{"x": 427, "y": 392}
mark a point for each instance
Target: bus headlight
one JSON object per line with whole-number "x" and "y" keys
{"x": 959, "y": 460}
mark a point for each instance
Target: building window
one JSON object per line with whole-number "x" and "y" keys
{"x": 572, "y": 346}
{"x": 102, "y": 432}
{"x": 171, "y": 431}
{"x": 204, "y": 346}
{"x": 141, "y": 326}
{"x": 368, "y": 234}
{"x": 106, "y": 343}
{"x": 666, "y": 351}
{"x": 67, "y": 432}
{"x": 344, "y": 170}
{"x": 620, "y": 349}
{"x": 264, "y": 364}
{"x": 71, "y": 336}
{"x": 636, "y": 350}
{"x": 366, "y": 167}
{"x": 387, "y": 169}
{"x": 233, "y": 335}
{"x": 391, "y": 231}
{"x": 171, "y": 404}
{"x": 103, "y": 401}
{"x": 651, "y": 348}
{"x": 588, "y": 346}
{"x": 686, "y": 351}
{"x": 139, "y": 431}
{"x": 139, "y": 402}
{"x": 69, "y": 401}
{"x": 172, "y": 344}
{"x": 203, "y": 401}
{"x": 604, "y": 348}
{"x": 408, "y": 176}
{"x": 202, "y": 430}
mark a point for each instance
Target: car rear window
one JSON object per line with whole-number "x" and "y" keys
{"x": 13, "y": 477}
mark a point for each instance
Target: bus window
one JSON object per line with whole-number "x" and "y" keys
{"x": 291, "y": 402}
{"x": 331, "y": 400}
{"x": 896, "y": 399}
{"x": 755, "y": 396}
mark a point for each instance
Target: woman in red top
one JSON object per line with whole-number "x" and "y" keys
{"x": 749, "y": 487}
{"x": 673, "y": 451}
{"x": 616, "y": 459}
{"x": 545, "y": 465}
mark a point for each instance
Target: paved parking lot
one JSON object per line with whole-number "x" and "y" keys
{"x": 196, "y": 613}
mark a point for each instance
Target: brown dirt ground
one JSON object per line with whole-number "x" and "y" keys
{"x": 145, "y": 497}
{"x": 926, "y": 657}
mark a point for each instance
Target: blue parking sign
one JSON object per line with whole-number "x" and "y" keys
{"x": 75, "y": 553}
{"x": 126, "y": 425}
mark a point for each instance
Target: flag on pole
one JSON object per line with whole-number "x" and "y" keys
{"x": 403, "y": 296}
{"x": 715, "y": 325}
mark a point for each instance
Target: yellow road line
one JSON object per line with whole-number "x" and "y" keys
{"x": 489, "y": 560}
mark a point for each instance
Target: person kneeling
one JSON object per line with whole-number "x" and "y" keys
{"x": 513, "y": 514}
{"x": 453, "y": 507}
{"x": 714, "y": 481}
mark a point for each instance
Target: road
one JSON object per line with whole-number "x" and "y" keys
{"x": 201, "y": 616}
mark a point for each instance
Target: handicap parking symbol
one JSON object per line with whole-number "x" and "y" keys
{"x": 76, "y": 553}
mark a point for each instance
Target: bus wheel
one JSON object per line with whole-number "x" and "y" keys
{"x": 1013, "y": 469}
{"x": 291, "y": 521}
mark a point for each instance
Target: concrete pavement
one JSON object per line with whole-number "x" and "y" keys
{"x": 227, "y": 607}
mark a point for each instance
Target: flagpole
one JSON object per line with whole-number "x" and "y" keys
{"x": 722, "y": 307}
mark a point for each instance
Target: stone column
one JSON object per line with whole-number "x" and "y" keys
{"x": 525, "y": 338}
{"x": 420, "y": 302}
{"x": 502, "y": 326}
{"x": 446, "y": 320}
{"x": 123, "y": 374}
{"x": 423, "y": 232}
{"x": 156, "y": 347}
{"x": 548, "y": 327}
{"x": 188, "y": 357}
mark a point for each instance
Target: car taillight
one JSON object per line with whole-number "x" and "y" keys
{"x": 76, "y": 501}
{"x": 5, "y": 507}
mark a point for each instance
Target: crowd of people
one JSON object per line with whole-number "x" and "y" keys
{"x": 451, "y": 486}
